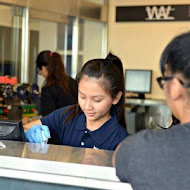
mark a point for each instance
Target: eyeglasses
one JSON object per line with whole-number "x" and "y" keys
{"x": 161, "y": 80}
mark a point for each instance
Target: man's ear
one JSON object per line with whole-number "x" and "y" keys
{"x": 117, "y": 98}
{"x": 176, "y": 90}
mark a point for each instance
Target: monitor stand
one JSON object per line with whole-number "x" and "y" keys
{"x": 141, "y": 96}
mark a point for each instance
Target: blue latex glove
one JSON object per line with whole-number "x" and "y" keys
{"x": 34, "y": 134}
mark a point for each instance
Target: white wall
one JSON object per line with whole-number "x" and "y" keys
{"x": 47, "y": 40}
{"x": 5, "y": 16}
{"x": 140, "y": 44}
{"x": 93, "y": 35}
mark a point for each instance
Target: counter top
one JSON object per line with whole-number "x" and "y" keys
{"x": 144, "y": 102}
{"x": 63, "y": 165}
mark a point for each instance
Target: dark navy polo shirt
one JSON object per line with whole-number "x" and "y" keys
{"x": 75, "y": 133}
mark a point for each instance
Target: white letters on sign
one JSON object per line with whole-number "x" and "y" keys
{"x": 159, "y": 13}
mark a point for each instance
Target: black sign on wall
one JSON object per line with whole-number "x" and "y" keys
{"x": 153, "y": 13}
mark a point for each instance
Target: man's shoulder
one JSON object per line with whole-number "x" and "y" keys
{"x": 147, "y": 158}
{"x": 147, "y": 139}
{"x": 144, "y": 139}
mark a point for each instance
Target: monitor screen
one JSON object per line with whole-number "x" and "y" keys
{"x": 138, "y": 81}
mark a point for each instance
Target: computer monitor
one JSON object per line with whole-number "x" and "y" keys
{"x": 138, "y": 81}
{"x": 12, "y": 130}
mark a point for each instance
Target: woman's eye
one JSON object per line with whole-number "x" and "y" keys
{"x": 97, "y": 100}
{"x": 82, "y": 97}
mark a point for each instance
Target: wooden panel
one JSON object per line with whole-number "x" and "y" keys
{"x": 49, "y": 16}
{"x": 56, "y": 6}
{"x": 15, "y": 2}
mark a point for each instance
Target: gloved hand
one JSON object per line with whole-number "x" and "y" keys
{"x": 34, "y": 134}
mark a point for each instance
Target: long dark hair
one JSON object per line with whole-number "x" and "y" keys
{"x": 56, "y": 71}
{"x": 112, "y": 74}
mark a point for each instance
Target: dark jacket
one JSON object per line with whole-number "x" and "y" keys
{"x": 53, "y": 97}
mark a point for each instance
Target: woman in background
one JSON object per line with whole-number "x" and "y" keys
{"x": 59, "y": 89}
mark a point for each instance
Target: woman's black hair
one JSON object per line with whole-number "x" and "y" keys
{"x": 111, "y": 71}
{"x": 56, "y": 70}
{"x": 176, "y": 56}
{"x": 43, "y": 59}
{"x": 116, "y": 61}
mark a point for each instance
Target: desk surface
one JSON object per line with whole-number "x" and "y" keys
{"x": 88, "y": 168}
{"x": 144, "y": 102}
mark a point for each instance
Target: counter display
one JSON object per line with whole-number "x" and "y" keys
{"x": 44, "y": 166}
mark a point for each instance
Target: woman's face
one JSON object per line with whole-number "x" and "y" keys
{"x": 44, "y": 72}
{"x": 93, "y": 99}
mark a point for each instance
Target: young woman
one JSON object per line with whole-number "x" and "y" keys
{"x": 59, "y": 89}
{"x": 98, "y": 120}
